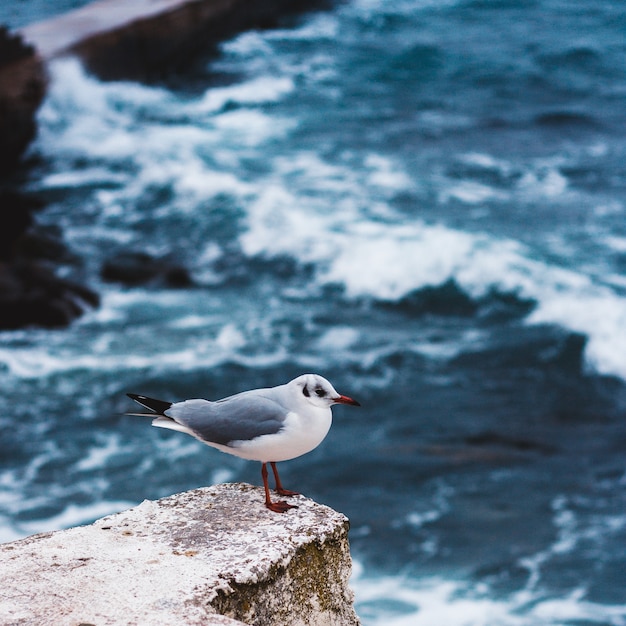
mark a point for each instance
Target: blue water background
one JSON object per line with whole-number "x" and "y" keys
{"x": 423, "y": 201}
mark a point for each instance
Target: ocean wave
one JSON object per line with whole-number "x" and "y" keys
{"x": 399, "y": 601}
{"x": 403, "y": 600}
{"x": 386, "y": 260}
{"x": 337, "y": 215}
{"x": 149, "y": 136}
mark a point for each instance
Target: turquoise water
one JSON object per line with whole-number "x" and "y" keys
{"x": 424, "y": 203}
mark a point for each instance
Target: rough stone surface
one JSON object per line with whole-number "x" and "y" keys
{"x": 193, "y": 558}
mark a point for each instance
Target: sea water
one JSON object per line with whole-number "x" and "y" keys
{"x": 423, "y": 201}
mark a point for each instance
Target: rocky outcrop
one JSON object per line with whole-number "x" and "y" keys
{"x": 23, "y": 85}
{"x": 140, "y": 268}
{"x": 193, "y": 558}
{"x": 143, "y": 39}
{"x": 31, "y": 292}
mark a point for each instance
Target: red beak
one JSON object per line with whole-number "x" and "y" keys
{"x": 346, "y": 400}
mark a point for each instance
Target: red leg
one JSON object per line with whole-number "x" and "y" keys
{"x": 277, "y": 507}
{"x": 280, "y": 490}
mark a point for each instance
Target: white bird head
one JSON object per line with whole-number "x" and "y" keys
{"x": 316, "y": 390}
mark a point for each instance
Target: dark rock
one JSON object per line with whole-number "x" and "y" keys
{"x": 445, "y": 299}
{"x": 23, "y": 84}
{"x": 140, "y": 268}
{"x": 43, "y": 244}
{"x": 144, "y": 40}
{"x": 16, "y": 216}
{"x": 32, "y": 295}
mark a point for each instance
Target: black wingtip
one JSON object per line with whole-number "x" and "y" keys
{"x": 158, "y": 406}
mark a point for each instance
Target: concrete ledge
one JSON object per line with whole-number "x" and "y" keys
{"x": 208, "y": 556}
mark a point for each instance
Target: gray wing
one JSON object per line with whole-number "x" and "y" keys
{"x": 241, "y": 417}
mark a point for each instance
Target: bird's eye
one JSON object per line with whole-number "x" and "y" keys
{"x": 320, "y": 392}
{"x": 305, "y": 391}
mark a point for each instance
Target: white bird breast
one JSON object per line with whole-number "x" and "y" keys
{"x": 299, "y": 435}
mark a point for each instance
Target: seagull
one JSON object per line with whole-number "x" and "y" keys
{"x": 267, "y": 425}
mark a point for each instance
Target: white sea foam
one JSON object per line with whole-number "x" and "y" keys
{"x": 253, "y": 45}
{"x": 333, "y": 215}
{"x": 190, "y": 145}
{"x": 470, "y": 192}
{"x": 90, "y": 176}
{"x": 546, "y": 181}
{"x": 339, "y": 337}
{"x": 384, "y": 173}
{"x": 387, "y": 258}
{"x": 85, "y": 116}
{"x": 97, "y": 456}
{"x": 35, "y": 362}
{"x": 616, "y": 243}
{"x": 486, "y": 161}
{"x": 18, "y": 499}
{"x": 256, "y": 91}
{"x": 400, "y": 601}
{"x": 230, "y": 338}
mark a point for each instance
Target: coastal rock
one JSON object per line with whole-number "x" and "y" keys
{"x": 32, "y": 295}
{"x": 141, "y": 268}
{"x": 23, "y": 83}
{"x": 146, "y": 39}
{"x": 31, "y": 292}
{"x": 191, "y": 558}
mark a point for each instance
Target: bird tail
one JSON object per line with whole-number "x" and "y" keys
{"x": 157, "y": 407}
